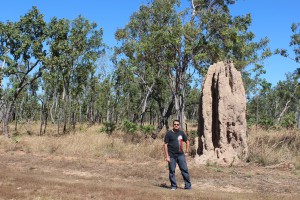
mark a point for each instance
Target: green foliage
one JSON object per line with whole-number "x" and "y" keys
{"x": 259, "y": 159}
{"x": 160, "y": 52}
{"x": 193, "y": 133}
{"x": 23, "y": 41}
{"x": 295, "y": 40}
{"x": 277, "y": 106}
{"x": 162, "y": 44}
{"x": 192, "y": 103}
{"x": 266, "y": 122}
{"x": 147, "y": 129}
{"x": 288, "y": 120}
{"x": 16, "y": 138}
{"x": 130, "y": 127}
{"x": 108, "y": 128}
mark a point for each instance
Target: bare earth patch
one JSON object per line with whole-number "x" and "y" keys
{"x": 47, "y": 176}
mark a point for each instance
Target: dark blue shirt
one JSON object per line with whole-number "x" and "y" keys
{"x": 174, "y": 141}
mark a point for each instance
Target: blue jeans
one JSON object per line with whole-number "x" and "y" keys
{"x": 180, "y": 160}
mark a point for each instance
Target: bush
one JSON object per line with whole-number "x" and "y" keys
{"x": 109, "y": 127}
{"x": 288, "y": 121}
{"x": 129, "y": 127}
{"x": 192, "y": 137}
{"x": 147, "y": 130}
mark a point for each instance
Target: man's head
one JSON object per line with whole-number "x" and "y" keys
{"x": 176, "y": 124}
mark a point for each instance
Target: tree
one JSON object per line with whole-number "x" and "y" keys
{"x": 295, "y": 44}
{"x": 278, "y": 105}
{"x": 192, "y": 103}
{"x": 161, "y": 42}
{"x": 74, "y": 49}
{"x": 63, "y": 53}
{"x": 25, "y": 41}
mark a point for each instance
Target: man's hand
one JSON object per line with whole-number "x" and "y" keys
{"x": 166, "y": 153}
{"x": 168, "y": 159}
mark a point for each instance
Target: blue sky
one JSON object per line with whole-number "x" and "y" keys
{"x": 270, "y": 18}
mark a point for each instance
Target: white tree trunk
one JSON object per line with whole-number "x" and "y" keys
{"x": 283, "y": 111}
{"x": 299, "y": 122}
{"x": 108, "y": 114}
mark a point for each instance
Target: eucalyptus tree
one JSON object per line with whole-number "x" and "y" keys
{"x": 27, "y": 106}
{"x": 24, "y": 41}
{"x": 87, "y": 47}
{"x": 161, "y": 42}
{"x": 278, "y": 105}
{"x": 74, "y": 49}
{"x": 148, "y": 44}
{"x": 1, "y": 90}
{"x": 128, "y": 90}
{"x": 287, "y": 101}
{"x": 295, "y": 45}
{"x": 192, "y": 103}
{"x": 97, "y": 98}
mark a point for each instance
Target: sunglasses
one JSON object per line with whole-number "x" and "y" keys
{"x": 175, "y": 124}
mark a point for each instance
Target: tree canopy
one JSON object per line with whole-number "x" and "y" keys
{"x": 54, "y": 70}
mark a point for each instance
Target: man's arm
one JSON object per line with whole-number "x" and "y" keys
{"x": 166, "y": 152}
{"x": 187, "y": 147}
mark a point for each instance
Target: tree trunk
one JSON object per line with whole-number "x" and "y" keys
{"x": 80, "y": 114}
{"x": 59, "y": 120}
{"x": 299, "y": 122}
{"x": 42, "y": 119}
{"x": 74, "y": 119}
{"x": 65, "y": 104}
{"x": 73, "y": 115}
{"x": 6, "y": 119}
{"x": 108, "y": 114}
{"x": 28, "y": 124}
{"x": 283, "y": 111}
{"x": 16, "y": 122}
{"x": 70, "y": 109}
{"x": 1, "y": 117}
{"x": 46, "y": 119}
{"x": 145, "y": 102}
{"x": 256, "y": 115}
{"x": 164, "y": 117}
{"x": 51, "y": 112}
{"x": 182, "y": 109}
{"x": 57, "y": 106}
{"x": 151, "y": 116}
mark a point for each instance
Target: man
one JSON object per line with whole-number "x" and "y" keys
{"x": 174, "y": 154}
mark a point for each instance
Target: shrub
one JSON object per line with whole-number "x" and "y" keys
{"x": 192, "y": 137}
{"x": 147, "y": 130}
{"x": 129, "y": 127}
{"x": 108, "y": 128}
{"x": 288, "y": 121}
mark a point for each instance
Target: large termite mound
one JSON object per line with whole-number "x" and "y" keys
{"x": 222, "y": 116}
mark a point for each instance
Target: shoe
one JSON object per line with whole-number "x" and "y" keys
{"x": 188, "y": 188}
{"x": 173, "y": 188}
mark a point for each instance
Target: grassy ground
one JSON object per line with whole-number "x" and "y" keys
{"x": 88, "y": 164}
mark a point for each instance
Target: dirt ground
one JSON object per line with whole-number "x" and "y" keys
{"x": 47, "y": 176}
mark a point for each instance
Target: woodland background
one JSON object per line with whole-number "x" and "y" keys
{"x": 73, "y": 127}
{"x": 55, "y": 72}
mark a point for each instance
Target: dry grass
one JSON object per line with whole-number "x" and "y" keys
{"x": 85, "y": 142}
{"x": 274, "y": 147}
{"x": 266, "y": 148}
{"x": 88, "y": 164}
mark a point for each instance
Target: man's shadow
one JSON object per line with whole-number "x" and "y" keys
{"x": 163, "y": 185}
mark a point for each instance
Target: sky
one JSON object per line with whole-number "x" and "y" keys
{"x": 270, "y": 18}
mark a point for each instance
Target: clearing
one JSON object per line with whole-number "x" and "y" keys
{"x": 25, "y": 175}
